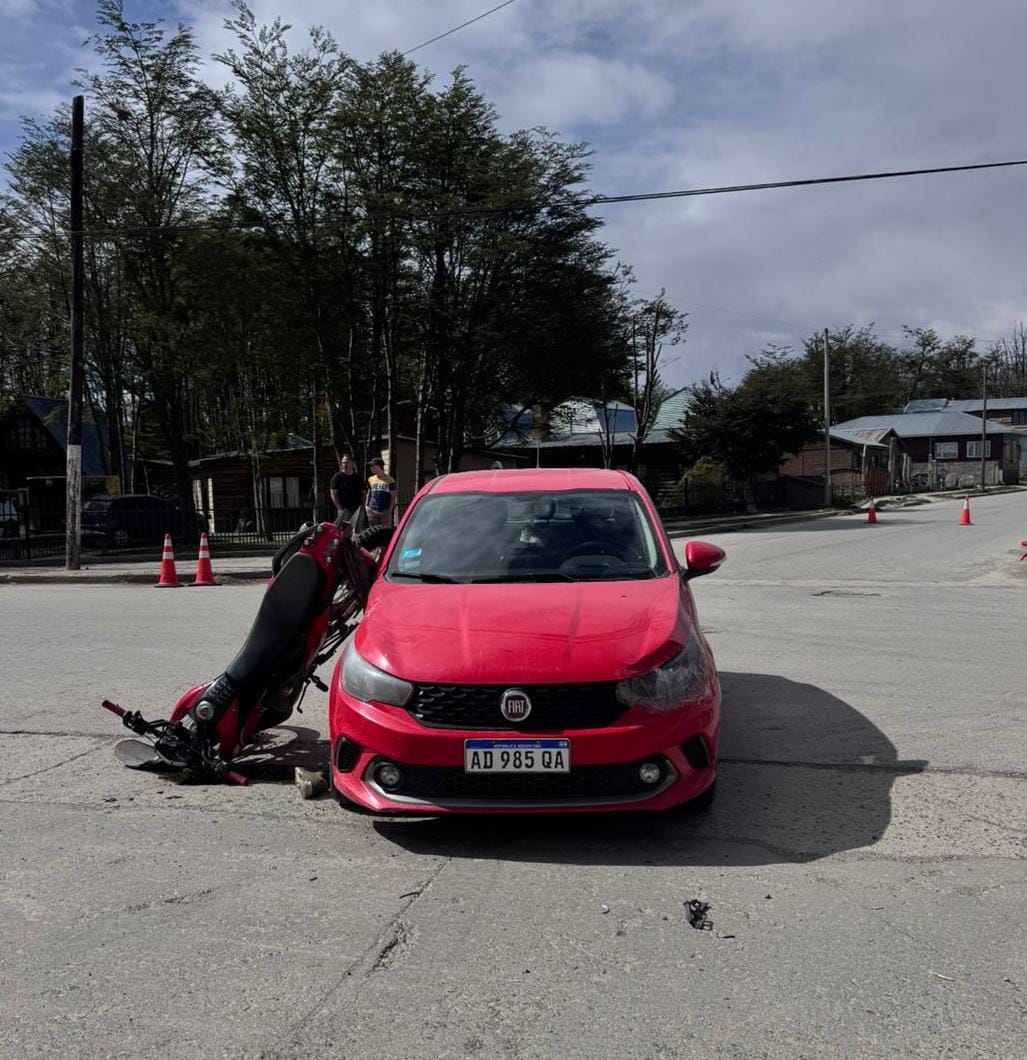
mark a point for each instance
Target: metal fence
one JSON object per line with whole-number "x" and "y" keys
{"x": 32, "y": 522}
{"x": 32, "y": 525}
{"x": 29, "y": 531}
{"x": 716, "y": 498}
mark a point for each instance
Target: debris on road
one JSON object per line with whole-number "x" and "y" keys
{"x": 696, "y": 912}
{"x": 604, "y": 908}
{"x": 947, "y": 978}
{"x": 310, "y": 782}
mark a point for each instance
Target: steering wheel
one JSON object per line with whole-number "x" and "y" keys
{"x": 594, "y": 548}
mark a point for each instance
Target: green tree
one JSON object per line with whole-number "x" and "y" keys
{"x": 866, "y": 375}
{"x": 161, "y": 142}
{"x": 947, "y": 369}
{"x": 749, "y": 428}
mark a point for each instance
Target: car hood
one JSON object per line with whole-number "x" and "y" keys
{"x": 522, "y": 633}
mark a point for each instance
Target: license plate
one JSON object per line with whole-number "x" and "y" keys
{"x": 517, "y": 756}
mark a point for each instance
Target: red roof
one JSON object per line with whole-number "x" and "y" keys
{"x": 533, "y": 478}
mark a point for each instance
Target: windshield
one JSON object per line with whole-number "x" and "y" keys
{"x": 573, "y": 535}
{"x": 97, "y": 504}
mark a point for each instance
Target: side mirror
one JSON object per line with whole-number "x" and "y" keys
{"x": 701, "y": 558}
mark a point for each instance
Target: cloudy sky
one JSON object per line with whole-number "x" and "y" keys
{"x": 693, "y": 93}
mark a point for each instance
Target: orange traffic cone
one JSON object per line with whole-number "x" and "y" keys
{"x": 168, "y": 574}
{"x": 204, "y": 574}
{"x": 872, "y": 512}
{"x": 964, "y": 515}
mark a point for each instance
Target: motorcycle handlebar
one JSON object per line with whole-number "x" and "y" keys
{"x": 113, "y": 708}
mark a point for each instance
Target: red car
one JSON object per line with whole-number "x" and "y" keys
{"x": 531, "y": 644}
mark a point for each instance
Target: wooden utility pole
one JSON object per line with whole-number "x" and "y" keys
{"x": 828, "y": 498}
{"x": 316, "y": 468}
{"x": 73, "y": 467}
{"x": 984, "y": 420}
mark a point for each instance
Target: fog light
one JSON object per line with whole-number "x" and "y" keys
{"x": 204, "y": 710}
{"x": 389, "y": 775}
{"x": 650, "y": 773}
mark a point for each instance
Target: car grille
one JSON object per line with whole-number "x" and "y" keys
{"x": 449, "y": 784}
{"x": 553, "y": 707}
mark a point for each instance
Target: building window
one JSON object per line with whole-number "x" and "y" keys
{"x": 946, "y": 450}
{"x": 1020, "y": 417}
{"x": 25, "y": 434}
{"x": 277, "y": 487}
{"x": 973, "y": 450}
{"x": 292, "y": 492}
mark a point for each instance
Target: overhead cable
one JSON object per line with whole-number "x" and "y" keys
{"x": 576, "y": 202}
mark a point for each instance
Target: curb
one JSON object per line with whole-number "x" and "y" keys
{"x": 751, "y": 523}
{"x": 120, "y": 578}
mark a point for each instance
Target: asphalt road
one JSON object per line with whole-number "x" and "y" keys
{"x": 864, "y": 862}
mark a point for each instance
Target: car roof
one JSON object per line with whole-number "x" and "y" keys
{"x": 533, "y": 479}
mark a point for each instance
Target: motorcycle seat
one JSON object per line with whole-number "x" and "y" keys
{"x": 290, "y": 604}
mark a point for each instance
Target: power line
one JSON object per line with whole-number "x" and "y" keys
{"x": 731, "y": 188}
{"x": 477, "y": 18}
{"x": 576, "y": 202}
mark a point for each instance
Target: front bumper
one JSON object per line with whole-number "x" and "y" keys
{"x": 604, "y": 762}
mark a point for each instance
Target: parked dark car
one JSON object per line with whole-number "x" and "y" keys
{"x": 137, "y": 518}
{"x": 8, "y": 517}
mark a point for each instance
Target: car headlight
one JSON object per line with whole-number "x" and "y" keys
{"x": 371, "y": 685}
{"x": 676, "y": 682}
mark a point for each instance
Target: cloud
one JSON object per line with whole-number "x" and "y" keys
{"x": 687, "y": 93}
{"x": 18, "y": 8}
{"x": 576, "y": 91}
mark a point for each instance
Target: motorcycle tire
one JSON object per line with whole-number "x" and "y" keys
{"x": 373, "y": 537}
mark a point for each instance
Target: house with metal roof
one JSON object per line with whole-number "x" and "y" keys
{"x": 587, "y": 432}
{"x": 33, "y": 457}
{"x": 34, "y": 441}
{"x": 864, "y": 461}
{"x": 945, "y": 446}
{"x": 1009, "y": 411}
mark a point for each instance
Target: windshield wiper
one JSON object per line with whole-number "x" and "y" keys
{"x": 424, "y": 577}
{"x": 527, "y": 576}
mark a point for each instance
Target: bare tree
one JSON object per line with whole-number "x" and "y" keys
{"x": 651, "y": 324}
{"x": 1008, "y": 364}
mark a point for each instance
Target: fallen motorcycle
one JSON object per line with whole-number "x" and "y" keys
{"x": 319, "y": 586}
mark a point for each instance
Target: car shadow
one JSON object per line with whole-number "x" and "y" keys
{"x": 803, "y": 775}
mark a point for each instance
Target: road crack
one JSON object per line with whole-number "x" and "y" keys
{"x": 49, "y": 732}
{"x": 393, "y": 950}
{"x": 57, "y": 765}
{"x": 388, "y": 946}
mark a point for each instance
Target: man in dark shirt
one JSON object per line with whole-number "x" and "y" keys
{"x": 347, "y": 488}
